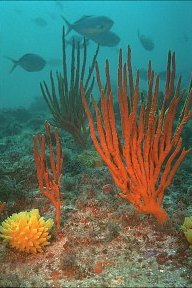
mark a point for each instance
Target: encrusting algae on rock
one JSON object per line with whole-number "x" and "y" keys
{"x": 26, "y": 231}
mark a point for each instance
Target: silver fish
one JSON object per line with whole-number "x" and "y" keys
{"x": 108, "y": 39}
{"x": 90, "y": 25}
{"x": 162, "y": 75}
{"x": 29, "y": 62}
{"x": 18, "y": 11}
{"x": 143, "y": 73}
{"x": 145, "y": 41}
{"x": 39, "y": 21}
{"x": 59, "y": 5}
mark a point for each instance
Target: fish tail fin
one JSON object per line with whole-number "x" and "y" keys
{"x": 69, "y": 25}
{"x": 13, "y": 67}
{"x": 15, "y": 63}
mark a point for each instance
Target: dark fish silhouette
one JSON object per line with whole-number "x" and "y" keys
{"x": 59, "y": 5}
{"x": 39, "y": 21}
{"x": 29, "y": 62}
{"x": 143, "y": 73}
{"x": 53, "y": 16}
{"x": 162, "y": 75}
{"x": 108, "y": 39}
{"x": 90, "y": 25}
{"x": 18, "y": 11}
{"x": 145, "y": 41}
{"x": 78, "y": 40}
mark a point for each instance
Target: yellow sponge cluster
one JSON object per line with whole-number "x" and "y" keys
{"x": 187, "y": 229}
{"x": 26, "y": 231}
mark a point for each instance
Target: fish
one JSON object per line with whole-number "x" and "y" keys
{"x": 145, "y": 41}
{"x": 89, "y": 25}
{"x": 18, "y": 11}
{"x": 39, "y": 21}
{"x": 162, "y": 75}
{"x": 108, "y": 39}
{"x": 77, "y": 39}
{"x": 53, "y": 16}
{"x": 143, "y": 73}
{"x": 29, "y": 62}
{"x": 59, "y": 4}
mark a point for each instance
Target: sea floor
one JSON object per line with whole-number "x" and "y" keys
{"x": 103, "y": 242}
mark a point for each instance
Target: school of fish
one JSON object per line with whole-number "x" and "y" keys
{"x": 92, "y": 28}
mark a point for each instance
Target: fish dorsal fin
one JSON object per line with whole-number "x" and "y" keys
{"x": 83, "y": 18}
{"x": 141, "y": 36}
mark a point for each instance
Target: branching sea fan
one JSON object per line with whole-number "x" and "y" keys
{"x": 26, "y": 231}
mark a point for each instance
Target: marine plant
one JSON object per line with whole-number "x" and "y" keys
{"x": 2, "y": 206}
{"x": 187, "y": 229}
{"x": 90, "y": 158}
{"x": 49, "y": 170}
{"x": 145, "y": 161}
{"x": 26, "y": 231}
{"x": 64, "y": 96}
